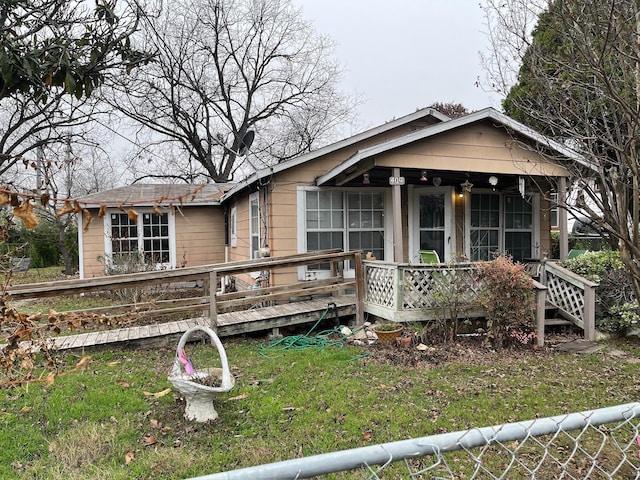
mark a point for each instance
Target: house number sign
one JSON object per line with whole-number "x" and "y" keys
{"x": 396, "y": 180}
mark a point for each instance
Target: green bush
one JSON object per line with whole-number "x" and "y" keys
{"x": 508, "y": 298}
{"x": 616, "y": 307}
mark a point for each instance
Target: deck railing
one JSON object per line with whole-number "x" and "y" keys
{"x": 406, "y": 292}
{"x": 416, "y": 292}
{"x": 207, "y": 299}
{"x": 573, "y": 295}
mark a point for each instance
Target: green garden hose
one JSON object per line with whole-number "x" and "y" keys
{"x": 307, "y": 341}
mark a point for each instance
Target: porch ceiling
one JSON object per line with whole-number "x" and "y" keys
{"x": 379, "y": 177}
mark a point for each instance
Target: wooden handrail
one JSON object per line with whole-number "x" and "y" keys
{"x": 209, "y": 274}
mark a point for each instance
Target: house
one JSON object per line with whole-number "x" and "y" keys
{"x": 169, "y": 226}
{"x": 464, "y": 187}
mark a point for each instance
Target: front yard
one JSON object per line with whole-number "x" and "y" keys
{"x": 116, "y": 418}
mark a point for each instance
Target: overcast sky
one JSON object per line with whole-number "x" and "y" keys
{"x": 401, "y": 55}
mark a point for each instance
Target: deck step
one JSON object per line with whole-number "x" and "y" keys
{"x": 552, "y": 322}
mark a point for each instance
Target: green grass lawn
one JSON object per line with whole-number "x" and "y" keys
{"x": 116, "y": 420}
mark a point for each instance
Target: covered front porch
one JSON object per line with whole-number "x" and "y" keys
{"x": 467, "y": 189}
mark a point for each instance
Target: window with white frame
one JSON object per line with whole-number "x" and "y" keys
{"x": 254, "y": 224}
{"x": 347, "y": 220}
{"x": 501, "y": 223}
{"x": 142, "y": 238}
{"x": 485, "y": 225}
{"x": 518, "y": 226}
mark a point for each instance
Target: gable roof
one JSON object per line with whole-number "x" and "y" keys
{"x": 157, "y": 194}
{"x": 407, "y": 119}
{"x": 481, "y": 115}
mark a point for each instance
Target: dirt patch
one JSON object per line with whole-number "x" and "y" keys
{"x": 471, "y": 350}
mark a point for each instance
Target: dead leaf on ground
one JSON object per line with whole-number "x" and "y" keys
{"x": 149, "y": 440}
{"x": 123, "y": 384}
{"x": 157, "y": 394}
{"x": 366, "y": 436}
{"x": 155, "y": 423}
{"x": 113, "y": 364}
{"x": 129, "y": 456}
{"x": 25, "y": 409}
{"x": 240, "y": 397}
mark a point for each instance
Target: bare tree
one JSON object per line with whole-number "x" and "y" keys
{"x": 225, "y": 67}
{"x": 578, "y": 81}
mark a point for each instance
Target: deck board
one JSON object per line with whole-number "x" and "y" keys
{"x": 231, "y": 323}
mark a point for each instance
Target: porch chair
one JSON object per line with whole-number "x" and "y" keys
{"x": 573, "y": 253}
{"x": 429, "y": 256}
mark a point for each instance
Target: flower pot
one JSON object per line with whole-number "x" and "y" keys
{"x": 387, "y": 336}
{"x": 199, "y": 387}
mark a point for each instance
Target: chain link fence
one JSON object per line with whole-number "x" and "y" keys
{"x": 596, "y": 444}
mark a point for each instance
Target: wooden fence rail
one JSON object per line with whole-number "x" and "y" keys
{"x": 205, "y": 279}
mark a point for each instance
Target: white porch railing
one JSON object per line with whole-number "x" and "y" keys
{"x": 401, "y": 292}
{"x": 574, "y": 296}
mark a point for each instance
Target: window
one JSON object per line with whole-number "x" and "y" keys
{"x": 145, "y": 239}
{"x": 485, "y": 225}
{"x": 124, "y": 235}
{"x": 345, "y": 220}
{"x": 518, "y": 226}
{"x": 500, "y": 224}
{"x": 155, "y": 243}
{"x": 366, "y": 222}
{"x": 254, "y": 225}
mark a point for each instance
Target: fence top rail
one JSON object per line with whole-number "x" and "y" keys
{"x": 422, "y": 266}
{"x": 113, "y": 282}
{"x": 569, "y": 276}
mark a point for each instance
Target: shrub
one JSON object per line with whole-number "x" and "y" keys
{"x": 616, "y": 306}
{"x": 508, "y": 298}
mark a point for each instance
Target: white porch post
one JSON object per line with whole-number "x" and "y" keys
{"x": 562, "y": 218}
{"x": 398, "y": 253}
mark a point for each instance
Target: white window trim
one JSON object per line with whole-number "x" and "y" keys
{"x": 254, "y": 197}
{"x": 233, "y": 227}
{"x": 302, "y": 224}
{"x": 141, "y": 211}
{"x": 413, "y": 210}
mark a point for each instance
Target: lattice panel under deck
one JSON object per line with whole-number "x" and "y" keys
{"x": 418, "y": 289}
{"x": 379, "y": 286}
{"x": 420, "y": 286}
{"x": 565, "y": 295}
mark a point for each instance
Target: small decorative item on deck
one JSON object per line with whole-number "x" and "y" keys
{"x": 199, "y": 386}
{"x": 387, "y": 332}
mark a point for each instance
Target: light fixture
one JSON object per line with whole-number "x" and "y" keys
{"x": 437, "y": 181}
{"x": 423, "y": 176}
{"x": 493, "y": 180}
{"x": 466, "y": 185}
{"x": 365, "y": 179}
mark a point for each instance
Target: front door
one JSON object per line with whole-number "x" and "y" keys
{"x": 432, "y": 224}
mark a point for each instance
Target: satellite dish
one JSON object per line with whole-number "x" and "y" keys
{"x": 246, "y": 142}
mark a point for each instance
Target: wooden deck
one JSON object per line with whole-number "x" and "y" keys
{"x": 235, "y": 323}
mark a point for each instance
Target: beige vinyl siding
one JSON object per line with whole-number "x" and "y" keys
{"x": 199, "y": 236}
{"x": 93, "y": 247}
{"x": 475, "y": 148}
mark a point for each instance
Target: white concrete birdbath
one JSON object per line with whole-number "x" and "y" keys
{"x": 200, "y": 386}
